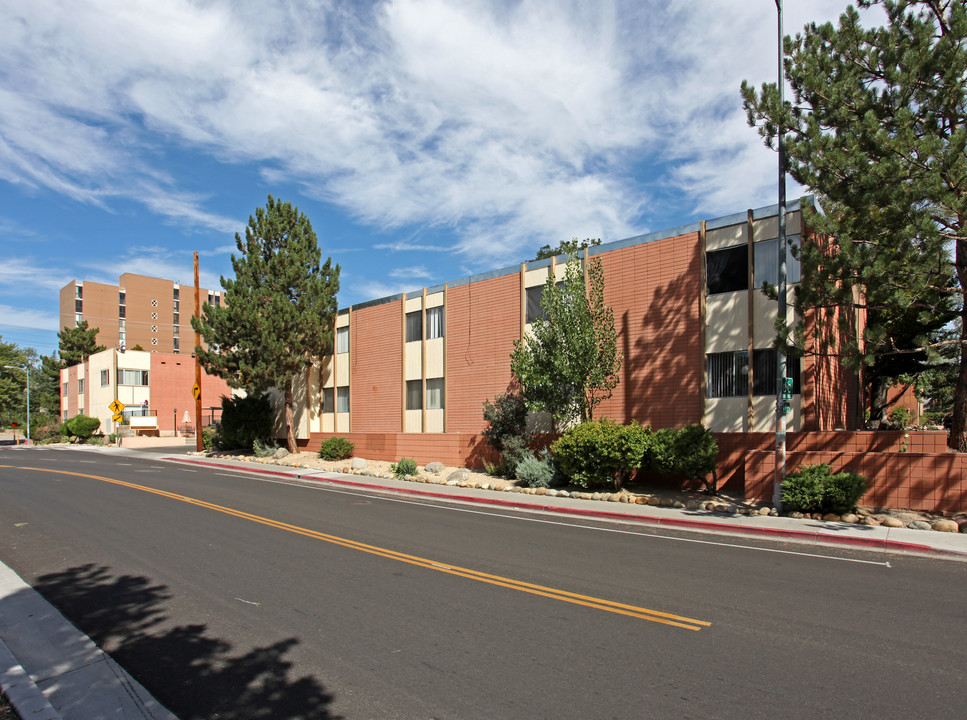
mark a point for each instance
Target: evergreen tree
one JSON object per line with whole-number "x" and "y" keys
{"x": 45, "y": 386}
{"x": 279, "y": 309}
{"x": 877, "y": 128}
{"x": 78, "y": 343}
{"x": 569, "y": 363}
{"x": 567, "y": 247}
{"x": 12, "y": 382}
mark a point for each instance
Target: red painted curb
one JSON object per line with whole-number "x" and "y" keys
{"x": 711, "y": 525}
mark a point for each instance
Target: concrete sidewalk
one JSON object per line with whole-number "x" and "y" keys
{"x": 50, "y": 670}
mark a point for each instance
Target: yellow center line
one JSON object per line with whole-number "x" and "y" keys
{"x": 520, "y": 585}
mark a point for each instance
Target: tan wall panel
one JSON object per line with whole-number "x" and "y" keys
{"x": 414, "y": 361}
{"x": 727, "y": 322}
{"x": 728, "y": 236}
{"x": 434, "y": 359}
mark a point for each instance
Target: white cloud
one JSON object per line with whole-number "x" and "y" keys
{"x": 17, "y": 274}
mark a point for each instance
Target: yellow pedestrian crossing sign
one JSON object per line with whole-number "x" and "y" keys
{"x": 116, "y": 407}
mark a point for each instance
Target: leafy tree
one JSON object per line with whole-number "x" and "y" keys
{"x": 570, "y": 361}
{"x": 877, "y": 128}
{"x": 78, "y": 343}
{"x": 12, "y": 382}
{"x": 566, "y": 247}
{"x": 279, "y": 309}
{"x": 81, "y": 427}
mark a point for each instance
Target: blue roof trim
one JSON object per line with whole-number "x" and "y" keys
{"x": 719, "y": 222}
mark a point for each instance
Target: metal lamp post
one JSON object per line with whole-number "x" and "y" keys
{"x": 26, "y": 369}
{"x": 781, "y": 389}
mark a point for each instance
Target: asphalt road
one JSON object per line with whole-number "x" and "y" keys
{"x": 231, "y": 596}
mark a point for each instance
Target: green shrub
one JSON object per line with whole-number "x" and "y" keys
{"x": 691, "y": 452}
{"x": 43, "y": 434}
{"x": 405, "y": 466}
{"x": 539, "y": 471}
{"x": 82, "y": 427}
{"x": 245, "y": 419}
{"x": 515, "y": 449}
{"x": 264, "y": 448}
{"x": 211, "y": 438}
{"x": 336, "y": 448}
{"x": 601, "y": 452}
{"x": 506, "y": 418}
{"x": 900, "y": 418}
{"x": 814, "y": 488}
{"x": 497, "y": 469}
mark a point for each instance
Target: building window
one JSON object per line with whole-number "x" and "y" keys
{"x": 414, "y": 394}
{"x": 121, "y": 312}
{"x": 210, "y": 299}
{"x": 177, "y": 294}
{"x": 121, "y": 297}
{"x": 434, "y": 323}
{"x": 414, "y": 326}
{"x": 79, "y": 306}
{"x": 64, "y": 392}
{"x": 133, "y": 377}
{"x": 154, "y": 341}
{"x": 154, "y": 303}
{"x": 154, "y": 328}
{"x": 342, "y": 340}
{"x": 78, "y": 318}
{"x": 328, "y": 400}
{"x": 105, "y": 378}
{"x": 80, "y": 386}
{"x": 766, "y": 262}
{"x": 176, "y": 319}
{"x": 435, "y": 394}
{"x": 122, "y": 336}
{"x": 78, "y": 292}
{"x": 218, "y": 299}
{"x": 177, "y": 345}
{"x": 727, "y": 270}
{"x": 342, "y": 400}
{"x": 728, "y": 373}
{"x": 154, "y": 316}
{"x": 532, "y": 303}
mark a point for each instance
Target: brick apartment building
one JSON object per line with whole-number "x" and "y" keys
{"x": 410, "y": 373}
{"x": 139, "y": 310}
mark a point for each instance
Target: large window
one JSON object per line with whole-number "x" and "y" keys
{"x": 342, "y": 340}
{"x": 414, "y": 326}
{"x": 435, "y": 394}
{"x": 414, "y": 394}
{"x": 727, "y": 270}
{"x": 132, "y": 377}
{"x": 328, "y": 400}
{"x": 105, "y": 378}
{"x": 533, "y": 308}
{"x": 766, "y": 261}
{"x": 80, "y": 386}
{"x": 342, "y": 400}
{"x": 64, "y": 391}
{"x": 434, "y": 323}
{"x": 728, "y": 373}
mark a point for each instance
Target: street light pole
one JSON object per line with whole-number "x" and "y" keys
{"x": 780, "y": 475}
{"x": 26, "y": 369}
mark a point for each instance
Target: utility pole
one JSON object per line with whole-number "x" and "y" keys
{"x": 781, "y": 389}
{"x": 197, "y": 388}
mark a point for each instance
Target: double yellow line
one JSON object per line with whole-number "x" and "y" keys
{"x": 554, "y": 594}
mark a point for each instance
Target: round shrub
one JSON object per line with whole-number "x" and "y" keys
{"x": 540, "y": 471}
{"x": 405, "y": 466}
{"x": 82, "y": 427}
{"x": 814, "y": 488}
{"x": 601, "y": 452}
{"x": 336, "y": 448}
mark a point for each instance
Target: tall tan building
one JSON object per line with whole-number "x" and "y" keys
{"x": 139, "y": 310}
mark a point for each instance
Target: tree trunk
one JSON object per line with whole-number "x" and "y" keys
{"x": 289, "y": 419}
{"x": 879, "y": 392}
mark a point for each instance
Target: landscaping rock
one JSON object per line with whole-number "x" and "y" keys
{"x": 435, "y": 467}
{"x": 919, "y": 525}
{"x": 796, "y": 515}
{"x": 871, "y": 521}
{"x": 692, "y": 505}
{"x": 831, "y": 517}
{"x": 359, "y": 464}
{"x": 551, "y": 492}
{"x": 458, "y": 476}
{"x": 280, "y": 453}
{"x": 892, "y": 522}
{"x": 850, "y": 518}
{"x": 654, "y": 501}
{"x": 667, "y": 502}
{"x": 945, "y": 526}
{"x": 765, "y": 511}
{"x": 641, "y": 500}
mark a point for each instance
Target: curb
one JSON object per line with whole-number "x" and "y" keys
{"x": 707, "y": 525}
{"x": 27, "y": 699}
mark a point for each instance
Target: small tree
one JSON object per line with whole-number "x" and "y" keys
{"x": 691, "y": 452}
{"x": 567, "y": 247}
{"x": 569, "y": 363}
{"x": 245, "y": 420}
{"x": 279, "y": 310}
{"x": 81, "y": 427}
{"x": 78, "y": 343}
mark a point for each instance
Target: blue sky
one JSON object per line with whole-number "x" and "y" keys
{"x": 426, "y": 140}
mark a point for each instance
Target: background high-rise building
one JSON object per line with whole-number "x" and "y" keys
{"x": 139, "y": 311}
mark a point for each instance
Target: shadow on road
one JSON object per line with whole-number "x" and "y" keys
{"x": 192, "y": 674}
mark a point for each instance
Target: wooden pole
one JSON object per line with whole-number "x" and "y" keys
{"x": 198, "y": 444}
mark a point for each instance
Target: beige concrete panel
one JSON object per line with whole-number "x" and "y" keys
{"x": 414, "y": 304}
{"x": 324, "y": 369}
{"x": 726, "y": 414}
{"x": 412, "y": 361}
{"x": 329, "y": 422}
{"x": 434, "y": 358}
{"x": 768, "y": 228}
{"x": 728, "y": 236}
{"x": 342, "y": 320}
{"x": 342, "y": 370}
{"x": 765, "y": 312}
{"x": 277, "y": 401}
{"x": 300, "y": 414}
{"x": 342, "y": 422}
{"x": 540, "y": 422}
{"x": 765, "y": 414}
{"x": 727, "y": 321}
{"x": 414, "y": 421}
{"x": 434, "y": 299}
{"x": 135, "y": 360}
{"x": 535, "y": 277}
{"x": 434, "y": 421}
{"x": 315, "y": 406}
{"x": 134, "y": 395}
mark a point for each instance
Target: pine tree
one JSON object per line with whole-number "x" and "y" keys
{"x": 78, "y": 343}
{"x": 877, "y": 128}
{"x": 569, "y": 363}
{"x": 279, "y": 309}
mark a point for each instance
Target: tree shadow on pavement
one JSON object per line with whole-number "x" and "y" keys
{"x": 192, "y": 674}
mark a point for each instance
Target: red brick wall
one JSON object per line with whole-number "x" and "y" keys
{"x": 376, "y": 368}
{"x": 171, "y": 378}
{"x": 483, "y": 320}
{"x": 655, "y": 291}
{"x": 452, "y": 449}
